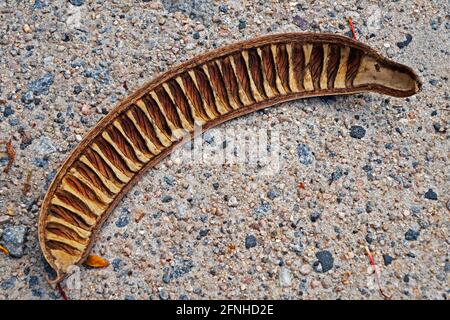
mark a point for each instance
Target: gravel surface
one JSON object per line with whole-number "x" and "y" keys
{"x": 356, "y": 171}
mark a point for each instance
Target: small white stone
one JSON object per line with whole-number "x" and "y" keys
{"x": 233, "y": 202}
{"x": 27, "y": 28}
{"x": 78, "y": 137}
{"x": 285, "y": 277}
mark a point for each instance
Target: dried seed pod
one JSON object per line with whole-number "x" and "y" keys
{"x": 93, "y": 261}
{"x": 207, "y": 90}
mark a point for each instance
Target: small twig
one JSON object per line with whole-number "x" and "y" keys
{"x": 352, "y": 27}
{"x": 27, "y": 185}
{"x": 377, "y": 276}
{"x": 61, "y": 292}
{"x": 11, "y": 154}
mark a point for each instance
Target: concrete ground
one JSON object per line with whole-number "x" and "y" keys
{"x": 355, "y": 171}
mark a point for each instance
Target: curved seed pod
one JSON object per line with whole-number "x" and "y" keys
{"x": 207, "y": 90}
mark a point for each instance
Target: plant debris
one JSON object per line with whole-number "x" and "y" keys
{"x": 61, "y": 292}
{"x": 27, "y": 185}
{"x": 4, "y": 250}
{"x": 96, "y": 262}
{"x": 352, "y": 27}
{"x": 377, "y": 275}
{"x": 11, "y": 154}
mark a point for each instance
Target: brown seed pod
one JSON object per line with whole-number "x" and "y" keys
{"x": 207, "y": 90}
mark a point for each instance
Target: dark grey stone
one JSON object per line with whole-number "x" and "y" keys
{"x": 242, "y": 24}
{"x": 8, "y": 111}
{"x": 326, "y": 260}
{"x": 431, "y": 195}
{"x": 123, "y": 219}
{"x": 315, "y": 216}
{"x": 406, "y": 42}
{"x": 223, "y": 8}
{"x": 357, "y": 132}
{"x": 250, "y": 241}
{"x": 412, "y": 235}
{"x": 77, "y": 2}
{"x": 387, "y": 259}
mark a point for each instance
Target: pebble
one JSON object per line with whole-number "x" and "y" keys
{"x": 169, "y": 180}
{"x": 305, "y": 269}
{"x": 202, "y": 233}
{"x": 406, "y": 42}
{"x": 285, "y": 277}
{"x": 305, "y": 155}
{"x": 412, "y": 235}
{"x": 357, "y": 132}
{"x": 123, "y": 219}
{"x": 336, "y": 175}
{"x": 325, "y": 259}
{"x": 315, "y": 216}
{"x": 223, "y": 8}
{"x": 117, "y": 264}
{"x": 233, "y": 202}
{"x": 369, "y": 238}
{"x": 166, "y": 198}
{"x": 250, "y": 241}
{"x": 242, "y": 24}
{"x": 26, "y": 28}
{"x": 77, "y": 89}
{"x": 406, "y": 278}
{"x": 431, "y": 195}
{"x": 39, "y": 4}
{"x": 13, "y": 239}
{"x": 387, "y": 259}
{"x": 163, "y": 295}
{"x": 77, "y": 2}
{"x": 447, "y": 267}
{"x": 27, "y": 97}
{"x": 8, "y": 111}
